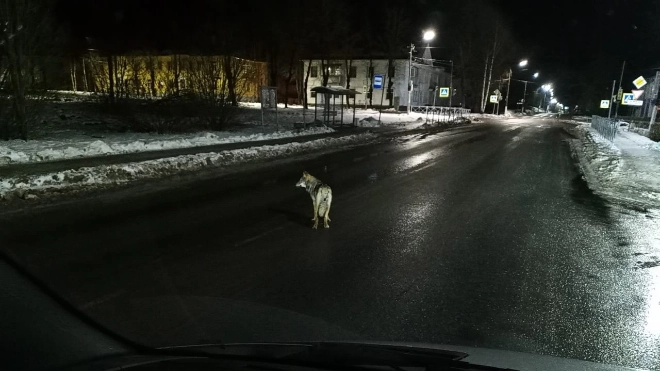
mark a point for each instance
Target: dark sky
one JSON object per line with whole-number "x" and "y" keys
{"x": 574, "y": 41}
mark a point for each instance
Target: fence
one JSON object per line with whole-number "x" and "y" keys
{"x": 604, "y": 126}
{"x": 440, "y": 114}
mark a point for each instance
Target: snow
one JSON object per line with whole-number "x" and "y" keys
{"x": 18, "y": 151}
{"x": 626, "y": 169}
{"x": 27, "y": 186}
{"x": 72, "y": 125}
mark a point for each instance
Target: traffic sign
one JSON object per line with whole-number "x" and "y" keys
{"x": 444, "y": 92}
{"x": 378, "y": 81}
{"x": 605, "y": 103}
{"x": 635, "y": 102}
{"x": 637, "y": 93}
{"x": 619, "y": 95}
{"x": 639, "y": 82}
{"x": 627, "y": 98}
{"x": 493, "y": 99}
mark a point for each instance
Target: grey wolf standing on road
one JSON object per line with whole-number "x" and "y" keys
{"x": 321, "y": 197}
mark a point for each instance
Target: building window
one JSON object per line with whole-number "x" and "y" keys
{"x": 314, "y": 72}
{"x": 335, "y": 70}
{"x": 413, "y": 72}
{"x": 353, "y": 72}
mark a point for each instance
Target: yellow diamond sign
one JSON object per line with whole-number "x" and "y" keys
{"x": 639, "y": 82}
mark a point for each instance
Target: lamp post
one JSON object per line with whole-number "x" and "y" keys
{"x": 522, "y": 110}
{"x": 427, "y": 36}
{"x": 522, "y": 63}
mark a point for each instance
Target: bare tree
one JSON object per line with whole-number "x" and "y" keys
{"x": 25, "y": 36}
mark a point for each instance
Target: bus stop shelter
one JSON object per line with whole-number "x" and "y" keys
{"x": 329, "y": 103}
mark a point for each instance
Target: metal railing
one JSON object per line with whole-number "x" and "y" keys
{"x": 604, "y": 126}
{"x": 441, "y": 114}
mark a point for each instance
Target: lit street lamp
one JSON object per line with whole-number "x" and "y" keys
{"x": 427, "y": 36}
{"x": 536, "y": 75}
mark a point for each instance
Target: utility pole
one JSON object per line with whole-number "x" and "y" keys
{"x": 451, "y": 82}
{"x": 654, "y": 94}
{"x": 609, "y": 112}
{"x": 616, "y": 111}
{"x": 523, "y": 101}
{"x": 410, "y": 82}
{"x": 508, "y": 88}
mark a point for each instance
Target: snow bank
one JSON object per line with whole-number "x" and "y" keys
{"x": 369, "y": 122}
{"x": 49, "y": 150}
{"x": 624, "y": 170}
{"x": 91, "y": 177}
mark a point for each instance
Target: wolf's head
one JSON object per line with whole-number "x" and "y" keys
{"x": 304, "y": 179}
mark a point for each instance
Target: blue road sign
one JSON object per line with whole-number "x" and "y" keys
{"x": 627, "y": 98}
{"x": 378, "y": 81}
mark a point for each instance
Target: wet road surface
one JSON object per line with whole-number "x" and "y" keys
{"x": 482, "y": 236}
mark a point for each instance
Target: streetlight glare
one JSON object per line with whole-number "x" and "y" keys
{"x": 429, "y": 35}
{"x": 553, "y": 101}
{"x": 523, "y": 63}
{"x": 536, "y": 75}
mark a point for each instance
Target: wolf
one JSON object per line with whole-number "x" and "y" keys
{"x": 321, "y": 198}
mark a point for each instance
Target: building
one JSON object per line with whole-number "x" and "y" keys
{"x": 149, "y": 76}
{"x": 364, "y": 75}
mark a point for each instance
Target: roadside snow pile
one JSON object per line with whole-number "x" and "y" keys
{"x": 28, "y": 187}
{"x": 369, "y": 122}
{"x": 49, "y": 150}
{"x": 624, "y": 170}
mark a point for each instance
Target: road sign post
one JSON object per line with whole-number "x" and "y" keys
{"x": 654, "y": 94}
{"x": 609, "y": 111}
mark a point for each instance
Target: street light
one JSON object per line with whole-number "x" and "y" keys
{"x": 536, "y": 75}
{"x": 428, "y": 36}
{"x": 523, "y": 63}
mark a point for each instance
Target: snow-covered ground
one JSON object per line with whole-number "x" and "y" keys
{"x": 73, "y": 126}
{"x": 18, "y": 151}
{"x": 627, "y": 169}
{"x": 28, "y": 187}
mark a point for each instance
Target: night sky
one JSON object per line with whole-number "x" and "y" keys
{"x": 571, "y": 43}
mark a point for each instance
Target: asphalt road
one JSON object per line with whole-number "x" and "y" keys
{"x": 481, "y": 236}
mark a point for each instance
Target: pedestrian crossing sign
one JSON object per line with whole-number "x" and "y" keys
{"x": 493, "y": 98}
{"x": 604, "y": 103}
{"x": 444, "y": 92}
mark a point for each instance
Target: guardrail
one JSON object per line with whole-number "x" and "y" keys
{"x": 441, "y": 114}
{"x": 604, "y": 126}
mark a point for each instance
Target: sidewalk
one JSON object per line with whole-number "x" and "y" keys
{"x": 627, "y": 169}
{"x": 77, "y": 163}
